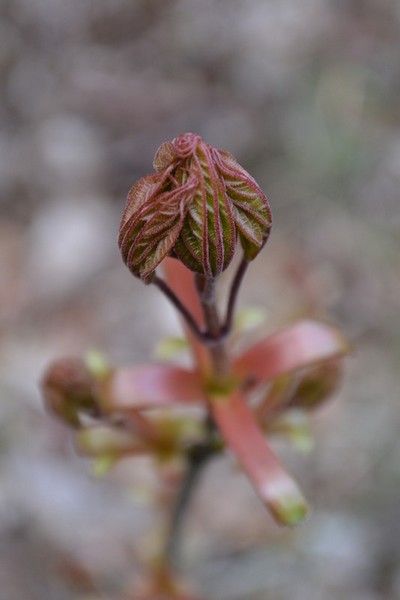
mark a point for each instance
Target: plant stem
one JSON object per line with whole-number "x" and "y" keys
{"x": 208, "y": 337}
{"x": 197, "y": 457}
{"x": 237, "y": 280}
{"x": 199, "y": 454}
{"x": 180, "y": 307}
{"x": 207, "y": 292}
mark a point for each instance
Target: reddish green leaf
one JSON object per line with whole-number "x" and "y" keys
{"x": 245, "y": 439}
{"x": 317, "y": 384}
{"x": 180, "y": 280}
{"x": 152, "y": 222}
{"x": 194, "y": 207}
{"x": 138, "y": 195}
{"x": 151, "y": 386}
{"x": 276, "y": 399}
{"x": 164, "y": 157}
{"x": 207, "y": 242}
{"x": 251, "y": 209}
{"x": 299, "y": 346}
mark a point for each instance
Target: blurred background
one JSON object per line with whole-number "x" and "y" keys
{"x": 305, "y": 93}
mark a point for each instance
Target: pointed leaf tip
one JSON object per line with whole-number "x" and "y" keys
{"x": 274, "y": 485}
{"x": 286, "y": 502}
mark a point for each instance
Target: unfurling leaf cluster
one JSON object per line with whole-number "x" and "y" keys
{"x": 196, "y": 205}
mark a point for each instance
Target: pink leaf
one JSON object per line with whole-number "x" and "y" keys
{"x": 299, "y": 346}
{"x": 180, "y": 280}
{"x": 243, "y": 436}
{"x": 151, "y": 386}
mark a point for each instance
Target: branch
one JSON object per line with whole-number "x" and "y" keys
{"x": 210, "y": 337}
{"x": 180, "y": 307}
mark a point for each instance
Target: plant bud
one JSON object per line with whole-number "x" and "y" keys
{"x": 104, "y": 440}
{"x": 69, "y": 389}
{"x": 317, "y": 384}
{"x": 194, "y": 207}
